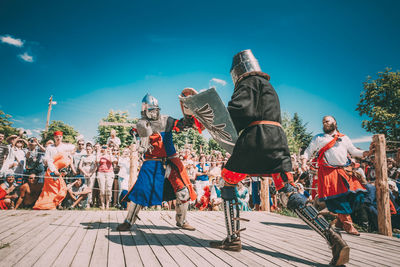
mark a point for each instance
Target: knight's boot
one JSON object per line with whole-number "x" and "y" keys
{"x": 232, "y": 241}
{"x": 340, "y": 250}
{"x": 181, "y": 211}
{"x": 348, "y": 224}
{"x": 297, "y": 203}
{"x": 130, "y": 218}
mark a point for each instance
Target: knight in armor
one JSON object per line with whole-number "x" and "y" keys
{"x": 162, "y": 176}
{"x": 262, "y": 150}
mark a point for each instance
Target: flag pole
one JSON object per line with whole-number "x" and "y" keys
{"x": 48, "y": 113}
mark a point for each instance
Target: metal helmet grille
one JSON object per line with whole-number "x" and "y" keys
{"x": 150, "y": 108}
{"x": 242, "y": 63}
{"x": 149, "y": 102}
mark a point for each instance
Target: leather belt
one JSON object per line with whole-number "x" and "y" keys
{"x": 265, "y": 122}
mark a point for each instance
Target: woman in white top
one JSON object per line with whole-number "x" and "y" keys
{"x": 123, "y": 176}
{"x": 88, "y": 167}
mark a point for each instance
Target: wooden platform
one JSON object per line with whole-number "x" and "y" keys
{"x": 88, "y": 238}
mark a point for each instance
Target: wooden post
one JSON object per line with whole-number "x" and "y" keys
{"x": 382, "y": 188}
{"x": 133, "y": 166}
{"x": 264, "y": 194}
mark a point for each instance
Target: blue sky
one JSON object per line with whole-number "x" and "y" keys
{"x": 94, "y": 56}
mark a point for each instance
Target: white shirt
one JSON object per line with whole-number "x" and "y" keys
{"x": 124, "y": 167}
{"x": 337, "y": 155}
{"x": 52, "y": 151}
{"x": 78, "y": 156}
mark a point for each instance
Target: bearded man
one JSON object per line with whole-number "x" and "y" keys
{"x": 338, "y": 185}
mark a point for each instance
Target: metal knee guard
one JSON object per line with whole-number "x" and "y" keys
{"x": 311, "y": 217}
{"x": 230, "y": 204}
{"x": 133, "y": 213}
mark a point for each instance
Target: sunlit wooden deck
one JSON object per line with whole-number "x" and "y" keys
{"x": 88, "y": 238}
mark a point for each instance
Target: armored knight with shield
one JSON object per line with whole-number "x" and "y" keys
{"x": 162, "y": 176}
{"x": 259, "y": 148}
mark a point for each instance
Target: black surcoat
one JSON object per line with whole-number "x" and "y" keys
{"x": 260, "y": 149}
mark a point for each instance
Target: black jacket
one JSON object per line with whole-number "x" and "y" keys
{"x": 260, "y": 149}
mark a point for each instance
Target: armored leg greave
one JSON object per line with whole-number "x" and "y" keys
{"x": 181, "y": 211}
{"x": 297, "y": 203}
{"x": 133, "y": 213}
{"x": 231, "y": 210}
{"x": 310, "y": 216}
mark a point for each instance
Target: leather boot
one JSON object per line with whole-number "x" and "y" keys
{"x": 186, "y": 226}
{"x": 124, "y": 227}
{"x": 348, "y": 224}
{"x": 234, "y": 245}
{"x": 340, "y": 249}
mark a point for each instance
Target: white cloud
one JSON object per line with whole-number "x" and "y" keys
{"x": 218, "y": 81}
{"x": 26, "y": 57}
{"x": 12, "y": 41}
{"x": 363, "y": 139}
{"x": 27, "y": 131}
{"x": 35, "y": 120}
{"x": 36, "y": 131}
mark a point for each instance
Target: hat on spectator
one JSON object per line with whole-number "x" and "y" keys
{"x": 393, "y": 184}
{"x": 8, "y": 139}
{"x": 89, "y": 143}
{"x": 20, "y": 140}
{"x": 10, "y": 175}
{"x": 58, "y": 133}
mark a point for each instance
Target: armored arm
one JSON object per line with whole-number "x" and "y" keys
{"x": 142, "y": 133}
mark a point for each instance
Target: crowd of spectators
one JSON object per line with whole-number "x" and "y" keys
{"x": 99, "y": 177}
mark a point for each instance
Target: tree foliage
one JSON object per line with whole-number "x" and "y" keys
{"x": 300, "y": 131}
{"x": 288, "y": 127}
{"x": 296, "y": 132}
{"x": 69, "y": 132}
{"x": 193, "y": 137}
{"x": 380, "y": 101}
{"x": 122, "y": 131}
{"x": 6, "y": 124}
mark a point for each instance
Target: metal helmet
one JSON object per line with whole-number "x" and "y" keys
{"x": 242, "y": 63}
{"x": 150, "y": 108}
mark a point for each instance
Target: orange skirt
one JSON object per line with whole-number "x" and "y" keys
{"x": 335, "y": 182}
{"x": 53, "y": 192}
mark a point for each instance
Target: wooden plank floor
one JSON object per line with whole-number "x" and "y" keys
{"x": 89, "y": 238}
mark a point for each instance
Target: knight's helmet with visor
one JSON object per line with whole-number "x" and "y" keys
{"x": 243, "y": 62}
{"x": 150, "y": 108}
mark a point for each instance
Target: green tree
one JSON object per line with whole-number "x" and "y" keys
{"x": 6, "y": 124}
{"x": 213, "y": 145}
{"x": 122, "y": 131}
{"x": 380, "y": 101}
{"x": 288, "y": 126}
{"x": 190, "y": 136}
{"x": 69, "y": 132}
{"x": 300, "y": 131}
